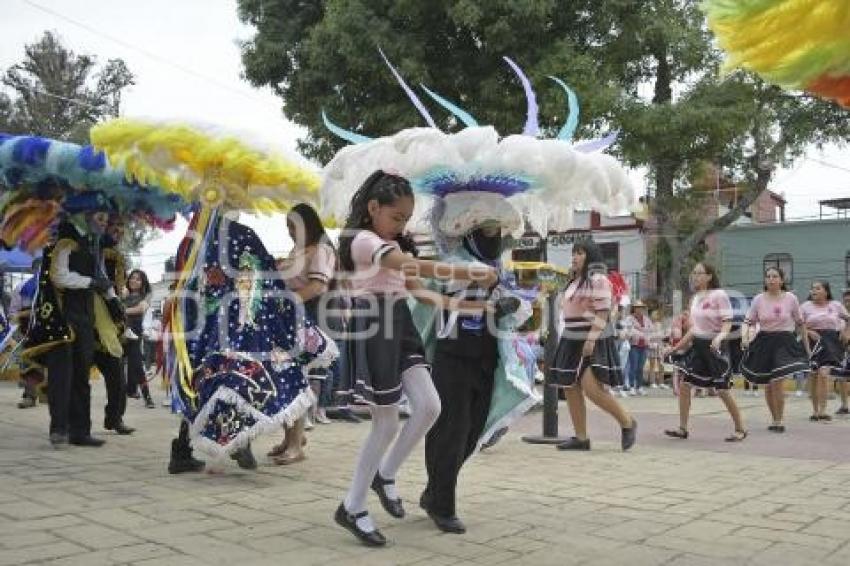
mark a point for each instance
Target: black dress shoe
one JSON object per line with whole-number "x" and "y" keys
{"x": 575, "y": 444}
{"x": 349, "y": 522}
{"x": 119, "y": 427}
{"x": 391, "y": 506}
{"x": 58, "y": 439}
{"x": 86, "y": 441}
{"x": 448, "y": 524}
{"x": 629, "y": 436}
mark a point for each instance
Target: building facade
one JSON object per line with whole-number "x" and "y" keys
{"x": 805, "y": 251}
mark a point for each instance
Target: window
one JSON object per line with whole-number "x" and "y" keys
{"x": 783, "y": 262}
{"x": 611, "y": 255}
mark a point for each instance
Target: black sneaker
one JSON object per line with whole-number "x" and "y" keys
{"x": 575, "y": 444}
{"x": 843, "y": 411}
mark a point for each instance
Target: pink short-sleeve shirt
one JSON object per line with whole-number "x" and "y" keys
{"x": 314, "y": 264}
{"x": 367, "y": 249}
{"x": 709, "y": 311}
{"x": 775, "y": 315}
{"x": 585, "y": 301}
{"x": 829, "y": 316}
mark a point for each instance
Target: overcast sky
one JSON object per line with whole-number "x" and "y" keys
{"x": 185, "y": 57}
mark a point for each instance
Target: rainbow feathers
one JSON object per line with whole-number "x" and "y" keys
{"x": 796, "y": 44}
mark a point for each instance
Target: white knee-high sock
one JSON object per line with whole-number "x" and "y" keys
{"x": 383, "y": 431}
{"x": 425, "y": 408}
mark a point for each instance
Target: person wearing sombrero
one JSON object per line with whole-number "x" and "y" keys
{"x": 74, "y": 309}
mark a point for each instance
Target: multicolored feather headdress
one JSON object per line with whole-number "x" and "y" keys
{"x": 475, "y": 175}
{"x": 796, "y": 44}
{"x": 39, "y": 174}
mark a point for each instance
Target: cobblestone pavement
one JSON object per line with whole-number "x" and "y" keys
{"x": 773, "y": 499}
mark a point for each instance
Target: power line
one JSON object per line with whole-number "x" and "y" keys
{"x": 158, "y": 58}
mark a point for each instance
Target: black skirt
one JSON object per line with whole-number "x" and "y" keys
{"x": 828, "y": 351}
{"x": 703, "y": 366}
{"x": 773, "y": 355}
{"x": 382, "y": 343}
{"x": 568, "y": 364}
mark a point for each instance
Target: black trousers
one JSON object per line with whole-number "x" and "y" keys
{"x": 68, "y": 389}
{"x": 112, "y": 370}
{"x": 136, "y": 379}
{"x": 465, "y": 386}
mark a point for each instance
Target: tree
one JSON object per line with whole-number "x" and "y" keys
{"x": 59, "y": 94}
{"x": 323, "y": 55}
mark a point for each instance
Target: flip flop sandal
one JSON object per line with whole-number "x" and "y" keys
{"x": 737, "y": 436}
{"x": 677, "y": 433}
{"x": 277, "y": 450}
{"x": 286, "y": 459}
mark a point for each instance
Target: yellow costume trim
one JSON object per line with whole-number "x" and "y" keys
{"x": 215, "y": 171}
{"x": 184, "y": 363}
{"x": 107, "y": 331}
{"x": 120, "y": 275}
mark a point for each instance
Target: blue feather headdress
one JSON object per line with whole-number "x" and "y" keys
{"x": 34, "y": 163}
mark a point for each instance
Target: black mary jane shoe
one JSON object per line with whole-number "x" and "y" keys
{"x": 575, "y": 444}
{"x": 825, "y": 418}
{"x": 349, "y": 522}
{"x": 776, "y": 428}
{"x": 391, "y": 506}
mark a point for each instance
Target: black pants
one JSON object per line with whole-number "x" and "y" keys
{"x": 68, "y": 389}
{"x": 465, "y": 386}
{"x": 112, "y": 370}
{"x": 136, "y": 379}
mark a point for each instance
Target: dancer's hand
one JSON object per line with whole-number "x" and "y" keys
{"x": 717, "y": 343}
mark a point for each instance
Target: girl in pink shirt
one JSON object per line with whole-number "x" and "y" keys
{"x": 706, "y": 362}
{"x": 825, "y": 319}
{"x": 775, "y": 353}
{"x": 307, "y": 272}
{"x": 586, "y": 359}
{"x": 385, "y": 356}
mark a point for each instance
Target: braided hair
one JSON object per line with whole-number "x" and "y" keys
{"x": 385, "y": 188}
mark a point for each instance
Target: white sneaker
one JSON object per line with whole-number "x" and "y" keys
{"x": 633, "y": 392}
{"x": 799, "y": 394}
{"x": 642, "y": 392}
{"x": 624, "y": 393}
{"x": 756, "y": 394}
{"x": 664, "y": 386}
{"x": 654, "y": 386}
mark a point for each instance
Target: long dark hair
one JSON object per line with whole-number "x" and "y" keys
{"x": 593, "y": 262}
{"x": 385, "y": 188}
{"x": 146, "y": 286}
{"x": 826, "y": 287}
{"x": 314, "y": 230}
{"x": 781, "y": 276}
{"x": 714, "y": 283}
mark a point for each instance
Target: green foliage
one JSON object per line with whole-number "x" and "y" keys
{"x": 59, "y": 94}
{"x": 645, "y": 67}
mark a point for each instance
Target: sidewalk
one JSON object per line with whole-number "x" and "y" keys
{"x": 769, "y": 500}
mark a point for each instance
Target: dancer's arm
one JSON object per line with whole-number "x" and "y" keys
{"x": 485, "y": 275}
{"x": 420, "y": 293}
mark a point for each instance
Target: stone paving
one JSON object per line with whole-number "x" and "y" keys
{"x": 770, "y": 500}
